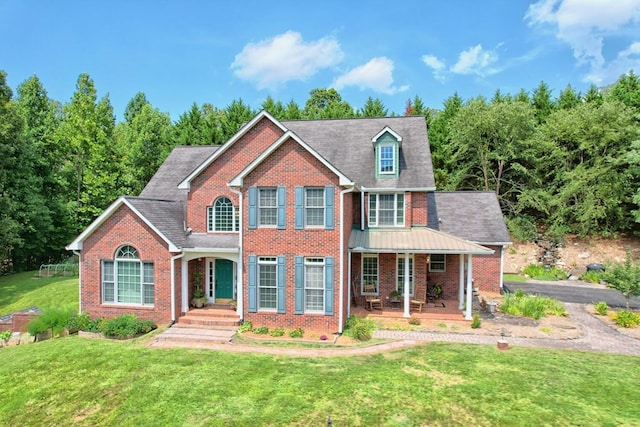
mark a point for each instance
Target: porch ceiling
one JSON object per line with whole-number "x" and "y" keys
{"x": 412, "y": 240}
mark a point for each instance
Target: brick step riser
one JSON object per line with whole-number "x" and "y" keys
{"x": 210, "y": 322}
{"x": 195, "y": 340}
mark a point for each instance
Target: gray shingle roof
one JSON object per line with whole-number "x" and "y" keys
{"x": 346, "y": 144}
{"x": 180, "y": 163}
{"x": 472, "y": 215}
{"x": 166, "y": 215}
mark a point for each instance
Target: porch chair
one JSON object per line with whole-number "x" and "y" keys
{"x": 419, "y": 299}
{"x": 372, "y": 300}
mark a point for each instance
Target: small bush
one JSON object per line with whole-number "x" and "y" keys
{"x": 359, "y": 328}
{"x": 476, "y": 322}
{"x": 535, "y": 307}
{"x": 590, "y": 276}
{"x": 261, "y": 330}
{"x": 601, "y": 308}
{"x": 5, "y": 336}
{"x": 626, "y": 319}
{"x": 126, "y": 326}
{"x": 78, "y": 322}
{"x": 277, "y": 332}
{"x": 54, "y": 320}
{"x": 296, "y": 333}
{"x": 414, "y": 321}
{"x": 246, "y": 327}
{"x": 539, "y": 272}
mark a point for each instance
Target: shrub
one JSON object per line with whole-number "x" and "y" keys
{"x": 296, "y": 333}
{"x": 261, "y": 330}
{"x": 78, "y": 322}
{"x": 539, "y": 272}
{"x": 590, "y": 276}
{"x": 246, "y": 327}
{"x": 414, "y": 321}
{"x": 277, "y": 332}
{"x": 535, "y": 307}
{"x": 359, "y": 328}
{"x": 5, "y": 336}
{"x": 626, "y": 319}
{"x": 601, "y": 308}
{"x": 54, "y": 320}
{"x": 476, "y": 322}
{"x": 126, "y": 326}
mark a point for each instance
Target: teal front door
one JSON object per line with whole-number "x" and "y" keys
{"x": 223, "y": 278}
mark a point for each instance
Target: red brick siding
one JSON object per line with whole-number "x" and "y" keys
{"x": 126, "y": 228}
{"x": 418, "y": 208}
{"x": 486, "y": 271}
{"x": 212, "y": 182}
{"x": 290, "y": 166}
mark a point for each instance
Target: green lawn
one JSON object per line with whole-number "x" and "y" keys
{"x": 23, "y": 290}
{"x": 96, "y": 382}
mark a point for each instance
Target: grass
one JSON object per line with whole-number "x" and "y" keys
{"x": 98, "y": 382}
{"x": 513, "y": 278}
{"x": 24, "y": 290}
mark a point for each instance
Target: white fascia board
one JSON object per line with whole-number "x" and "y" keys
{"x": 211, "y": 250}
{"x": 397, "y": 189}
{"x": 186, "y": 183}
{"x": 421, "y": 251}
{"x": 76, "y": 245}
{"x": 385, "y": 130}
{"x": 237, "y": 181}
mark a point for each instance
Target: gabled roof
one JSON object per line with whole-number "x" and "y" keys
{"x": 237, "y": 180}
{"x": 412, "y": 240}
{"x": 346, "y": 144}
{"x": 181, "y": 162}
{"x": 471, "y": 215}
{"x": 186, "y": 182}
{"x": 162, "y": 216}
{"x": 385, "y": 130}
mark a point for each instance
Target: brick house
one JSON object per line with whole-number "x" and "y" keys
{"x": 291, "y": 219}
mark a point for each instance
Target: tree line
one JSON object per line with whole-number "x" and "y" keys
{"x": 564, "y": 165}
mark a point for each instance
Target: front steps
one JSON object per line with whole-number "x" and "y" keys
{"x": 201, "y": 328}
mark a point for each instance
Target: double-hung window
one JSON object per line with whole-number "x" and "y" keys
{"x": 314, "y": 285}
{"x": 437, "y": 262}
{"x": 400, "y": 270}
{"x": 387, "y": 159}
{"x": 127, "y": 280}
{"x": 267, "y": 283}
{"x": 222, "y": 216}
{"x": 370, "y": 273}
{"x": 267, "y": 207}
{"x": 314, "y": 207}
{"x": 386, "y": 210}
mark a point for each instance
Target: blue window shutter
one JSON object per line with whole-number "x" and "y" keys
{"x": 328, "y": 207}
{"x": 253, "y": 283}
{"x": 328, "y": 285}
{"x": 299, "y": 285}
{"x": 253, "y": 207}
{"x": 282, "y": 203}
{"x": 299, "y": 208}
{"x": 280, "y": 274}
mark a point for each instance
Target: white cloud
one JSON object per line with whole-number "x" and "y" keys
{"x": 626, "y": 60}
{"x": 476, "y": 60}
{"x": 285, "y": 57}
{"x": 377, "y": 74}
{"x": 585, "y": 24}
{"x": 439, "y": 67}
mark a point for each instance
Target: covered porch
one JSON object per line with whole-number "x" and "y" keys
{"x": 411, "y": 272}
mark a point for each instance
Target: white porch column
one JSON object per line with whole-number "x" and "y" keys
{"x": 184, "y": 280}
{"x": 461, "y": 282}
{"x": 406, "y": 286}
{"x": 468, "y": 309}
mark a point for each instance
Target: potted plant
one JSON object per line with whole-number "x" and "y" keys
{"x": 395, "y": 295}
{"x": 233, "y": 304}
{"x": 199, "y": 298}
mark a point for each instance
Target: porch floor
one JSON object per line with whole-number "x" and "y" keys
{"x": 441, "y": 310}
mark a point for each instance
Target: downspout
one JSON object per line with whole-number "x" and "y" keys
{"x": 342, "y": 226}
{"x": 79, "y": 281}
{"x": 362, "y": 190}
{"x": 239, "y": 275}
{"x": 173, "y": 286}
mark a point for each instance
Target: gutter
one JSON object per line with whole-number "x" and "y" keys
{"x": 342, "y": 225}
{"x": 173, "y": 286}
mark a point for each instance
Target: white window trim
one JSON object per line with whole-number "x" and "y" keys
{"x": 314, "y": 262}
{"x": 260, "y": 207}
{"x": 443, "y": 262}
{"x": 362, "y": 292}
{"x": 267, "y": 260}
{"x": 115, "y": 262}
{"x": 323, "y": 207}
{"x": 395, "y": 210}
{"x": 211, "y": 218}
{"x": 412, "y": 267}
{"x": 393, "y": 159}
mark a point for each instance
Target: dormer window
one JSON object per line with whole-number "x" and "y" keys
{"x": 387, "y": 153}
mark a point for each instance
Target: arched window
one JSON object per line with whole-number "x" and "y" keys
{"x": 222, "y": 216}
{"x": 126, "y": 279}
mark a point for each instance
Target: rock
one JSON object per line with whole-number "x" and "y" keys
{"x": 583, "y": 255}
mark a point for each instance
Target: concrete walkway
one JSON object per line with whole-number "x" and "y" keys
{"x": 597, "y": 337}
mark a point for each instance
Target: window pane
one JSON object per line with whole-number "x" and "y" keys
{"x": 370, "y": 271}
{"x": 127, "y": 252}
{"x": 268, "y": 206}
{"x": 148, "y": 287}
{"x": 224, "y": 215}
{"x": 129, "y": 282}
{"x": 267, "y": 283}
{"x": 386, "y": 159}
{"x": 386, "y": 209}
{"x": 107, "y": 282}
{"x": 314, "y": 284}
{"x": 314, "y": 206}
{"x": 400, "y": 272}
{"x": 437, "y": 262}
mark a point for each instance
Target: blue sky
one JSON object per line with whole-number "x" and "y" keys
{"x": 180, "y": 52}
